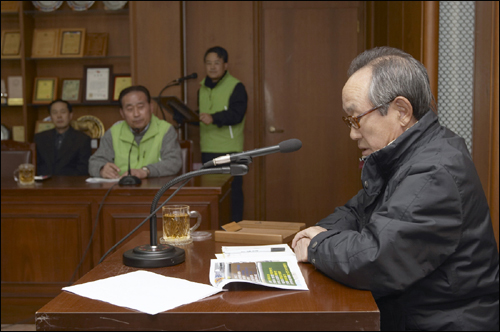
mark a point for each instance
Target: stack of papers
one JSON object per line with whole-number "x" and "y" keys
{"x": 270, "y": 265}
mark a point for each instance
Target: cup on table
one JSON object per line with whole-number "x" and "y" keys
{"x": 25, "y": 174}
{"x": 176, "y": 222}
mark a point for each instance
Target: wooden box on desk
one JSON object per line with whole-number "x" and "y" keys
{"x": 259, "y": 232}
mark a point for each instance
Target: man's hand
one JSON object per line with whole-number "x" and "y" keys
{"x": 110, "y": 171}
{"x": 140, "y": 173}
{"x": 300, "y": 249}
{"x": 206, "y": 118}
{"x": 302, "y": 239}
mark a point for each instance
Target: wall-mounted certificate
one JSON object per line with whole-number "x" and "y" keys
{"x": 96, "y": 44}
{"x": 15, "y": 90}
{"x": 97, "y": 83}
{"x": 72, "y": 42}
{"x": 45, "y": 43}
{"x": 122, "y": 81}
{"x": 45, "y": 90}
{"x": 11, "y": 44}
{"x": 71, "y": 90}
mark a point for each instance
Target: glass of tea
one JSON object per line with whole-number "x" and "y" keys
{"x": 176, "y": 224}
{"x": 25, "y": 174}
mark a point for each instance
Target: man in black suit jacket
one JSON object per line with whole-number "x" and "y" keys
{"x": 62, "y": 150}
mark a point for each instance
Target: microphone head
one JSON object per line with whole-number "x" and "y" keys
{"x": 290, "y": 145}
{"x": 193, "y": 75}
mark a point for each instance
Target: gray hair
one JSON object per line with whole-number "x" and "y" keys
{"x": 395, "y": 73}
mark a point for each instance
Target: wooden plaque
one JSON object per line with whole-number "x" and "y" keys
{"x": 121, "y": 82}
{"x": 11, "y": 44}
{"x": 96, "y": 44}
{"x": 72, "y": 42}
{"x": 45, "y": 90}
{"x": 45, "y": 42}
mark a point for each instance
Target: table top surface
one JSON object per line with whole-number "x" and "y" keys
{"x": 324, "y": 295}
{"x": 77, "y": 184}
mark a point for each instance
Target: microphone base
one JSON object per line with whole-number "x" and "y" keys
{"x": 129, "y": 180}
{"x": 146, "y": 256}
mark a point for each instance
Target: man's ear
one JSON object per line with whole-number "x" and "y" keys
{"x": 405, "y": 110}
{"x": 122, "y": 114}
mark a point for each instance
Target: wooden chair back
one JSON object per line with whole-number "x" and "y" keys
{"x": 16, "y": 153}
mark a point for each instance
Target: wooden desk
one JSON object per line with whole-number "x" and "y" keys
{"x": 328, "y": 305}
{"x": 46, "y": 229}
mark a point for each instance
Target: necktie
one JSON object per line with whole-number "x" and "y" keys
{"x": 59, "y": 139}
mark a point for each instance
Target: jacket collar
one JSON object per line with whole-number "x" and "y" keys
{"x": 151, "y": 130}
{"x": 210, "y": 84}
{"x": 381, "y": 165}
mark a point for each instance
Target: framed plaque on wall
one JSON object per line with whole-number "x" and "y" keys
{"x": 11, "y": 44}
{"x": 45, "y": 42}
{"x": 45, "y": 90}
{"x": 97, "y": 83}
{"x": 70, "y": 90}
{"x": 72, "y": 42}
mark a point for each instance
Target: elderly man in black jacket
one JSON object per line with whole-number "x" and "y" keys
{"x": 419, "y": 234}
{"x": 62, "y": 150}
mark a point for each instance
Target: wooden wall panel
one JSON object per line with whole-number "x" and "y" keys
{"x": 307, "y": 51}
{"x": 229, "y": 24}
{"x": 156, "y": 45}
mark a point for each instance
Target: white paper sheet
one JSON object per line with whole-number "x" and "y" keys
{"x": 101, "y": 180}
{"x": 145, "y": 291}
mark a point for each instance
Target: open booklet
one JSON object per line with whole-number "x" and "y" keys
{"x": 269, "y": 265}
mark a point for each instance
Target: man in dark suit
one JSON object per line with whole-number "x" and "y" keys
{"x": 62, "y": 150}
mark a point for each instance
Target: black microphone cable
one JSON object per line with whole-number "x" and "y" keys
{"x": 93, "y": 232}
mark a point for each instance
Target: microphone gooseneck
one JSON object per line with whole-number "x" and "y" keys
{"x": 287, "y": 146}
{"x": 129, "y": 180}
{"x": 193, "y": 75}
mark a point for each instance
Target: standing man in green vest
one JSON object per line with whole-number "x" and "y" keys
{"x": 222, "y": 103}
{"x": 151, "y": 143}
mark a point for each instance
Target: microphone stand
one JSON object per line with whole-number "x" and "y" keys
{"x": 130, "y": 180}
{"x": 162, "y": 255}
{"x": 173, "y": 83}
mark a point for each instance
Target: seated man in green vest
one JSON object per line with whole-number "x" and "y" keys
{"x": 222, "y": 103}
{"x": 151, "y": 143}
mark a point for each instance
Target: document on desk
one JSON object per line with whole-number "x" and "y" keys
{"x": 270, "y": 265}
{"x": 144, "y": 291}
{"x": 101, "y": 180}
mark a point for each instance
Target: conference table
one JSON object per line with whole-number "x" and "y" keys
{"x": 328, "y": 305}
{"x": 46, "y": 228}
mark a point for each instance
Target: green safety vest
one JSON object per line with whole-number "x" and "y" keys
{"x": 215, "y": 139}
{"x": 148, "y": 152}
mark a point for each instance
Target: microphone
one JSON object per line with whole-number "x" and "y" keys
{"x": 193, "y": 75}
{"x": 129, "y": 180}
{"x": 290, "y": 145}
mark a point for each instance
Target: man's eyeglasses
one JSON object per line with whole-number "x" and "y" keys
{"x": 354, "y": 121}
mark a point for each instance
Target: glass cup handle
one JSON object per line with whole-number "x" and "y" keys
{"x": 197, "y": 215}
{"x": 15, "y": 176}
